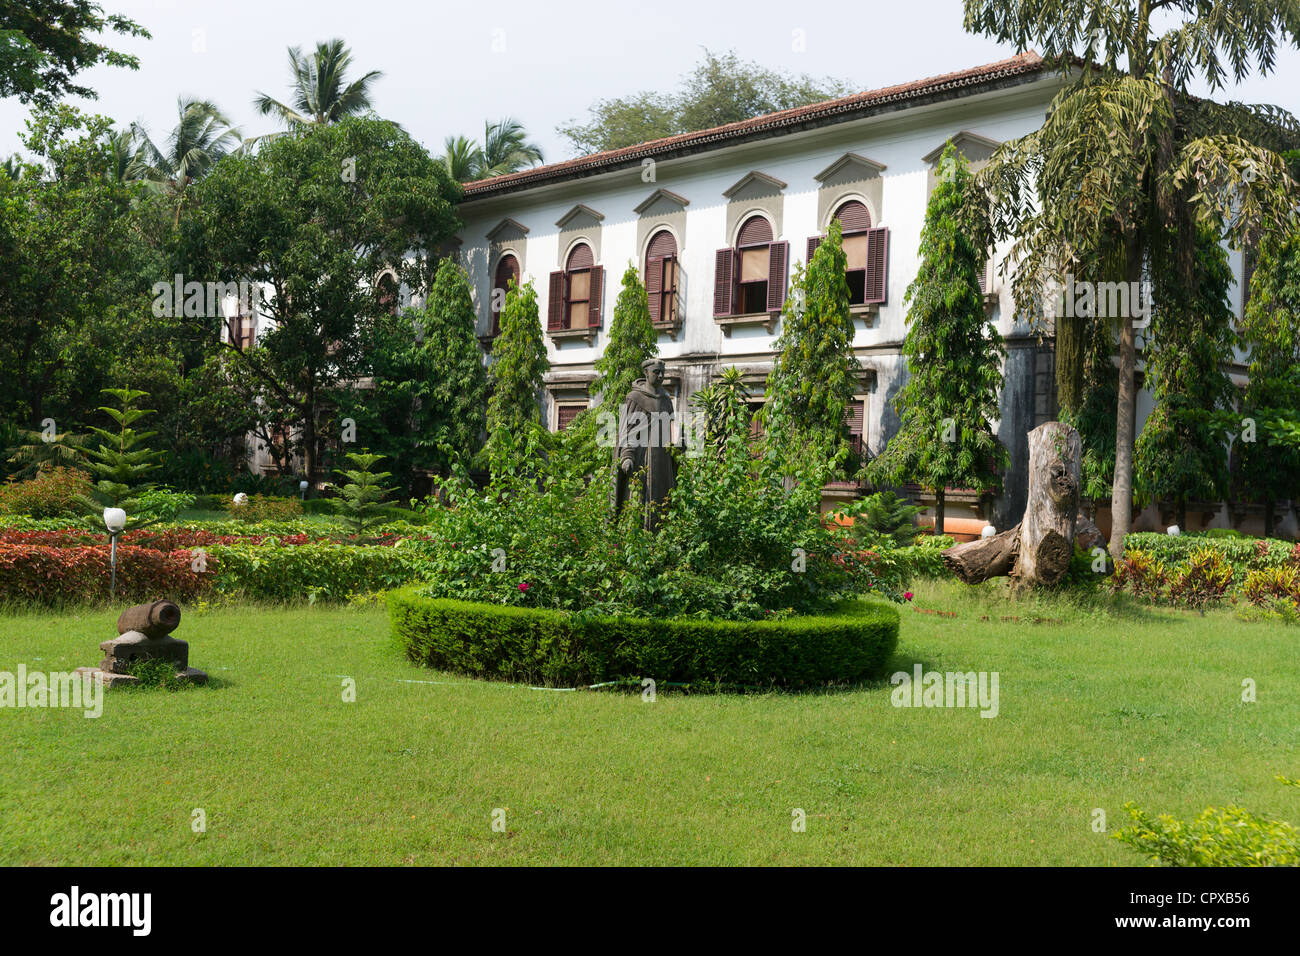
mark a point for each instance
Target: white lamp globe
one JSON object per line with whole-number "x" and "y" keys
{"x": 1175, "y": 530}
{"x": 988, "y": 531}
{"x": 241, "y": 499}
{"x": 302, "y": 485}
{"x": 114, "y": 519}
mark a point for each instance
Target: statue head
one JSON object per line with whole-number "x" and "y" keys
{"x": 654, "y": 372}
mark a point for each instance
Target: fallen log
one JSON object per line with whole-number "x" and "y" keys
{"x": 984, "y": 558}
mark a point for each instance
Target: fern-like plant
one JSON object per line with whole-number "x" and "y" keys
{"x": 360, "y": 502}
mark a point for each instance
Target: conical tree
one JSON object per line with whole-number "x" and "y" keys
{"x": 953, "y": 355}
{"x": 815, "y": 375}
{"x": 1267, "y": 463}
{"x": 122, "y": 458}
{"x": 459, "y": 391}
{"x": 632, "y": 340}
{"x": 518, "y": 366}
{"x": 1180, "y": 455}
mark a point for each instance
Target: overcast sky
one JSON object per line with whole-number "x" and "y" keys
{"x": 448, "y": 66}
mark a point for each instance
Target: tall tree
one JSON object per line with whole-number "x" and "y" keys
{"x": 317, "y": 217}
{"x": 815, "y": 373}
{"x": 518, "y": 366}
{"x": 45, "y": 43}
{"x": 721, "y": 89}
{"x": 321, "y": 92}
{"x": 953, "y": 354}
{"x": 1268, "y": 461}
{"x": 1180, "y": 456}
{"x": 1127, "y": 154}
{"x": 201, "y": 136}
{"x": 74, "y": 267}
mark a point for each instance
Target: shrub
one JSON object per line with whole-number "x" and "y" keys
{"x": 360, "y": 502}
{"x": 1219, "y": 836}
{"x": 1141, "y": 573}
{"x": 1242, "y": 553}
{"x": 38, "y": 574}
{"x": 53, "y": 493}
{"x": 558, "y": 648}
{"x": 1203, "y": 581}
{"x": 163, "y": 504}
{"x": 312, "y": 571}
{"x": 265, "y": 508}
{"x": 1266, "y": 585}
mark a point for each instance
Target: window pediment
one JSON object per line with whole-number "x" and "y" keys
{"x": 580, "y": 216}
{"x": 849, "y": 168}
{"x": 754, "y": 185}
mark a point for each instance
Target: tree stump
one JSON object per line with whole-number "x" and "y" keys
{"x": 1039, "y": 549}
{"x": 1047, "y": 529}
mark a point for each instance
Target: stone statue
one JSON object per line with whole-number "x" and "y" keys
{"x": 644, "y": 470}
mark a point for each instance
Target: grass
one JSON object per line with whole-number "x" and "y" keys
{"x": 1098, "y": 707}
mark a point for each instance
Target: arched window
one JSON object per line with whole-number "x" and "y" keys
{"x": 866, "y": 249}
{"x": 575, "y": 292}
{"x": 661, "y": 277}
{"x": 750, "y": 278}
{"x": 387, "y": 292}
{"x": 507, "y": 270}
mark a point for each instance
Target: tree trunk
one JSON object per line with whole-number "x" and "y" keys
{"x": 1268, "y": 517}
{"x": 1040, "y": 548}
{"x": 938, "y": 511}
{"x": 1180, "y": 514}
{"x": 1121, "y": 502}
{"x": 1047, "y": 529}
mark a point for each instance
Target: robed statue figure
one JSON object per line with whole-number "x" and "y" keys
{"x": 644, "y": 470}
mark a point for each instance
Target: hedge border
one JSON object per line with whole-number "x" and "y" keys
{"x": 558, "y": 648}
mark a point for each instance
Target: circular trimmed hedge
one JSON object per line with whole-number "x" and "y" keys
{"x": 558, "y": 648}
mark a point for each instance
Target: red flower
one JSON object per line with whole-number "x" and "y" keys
{"x": 907, "y": 596}
{"x": 523, "y": 585}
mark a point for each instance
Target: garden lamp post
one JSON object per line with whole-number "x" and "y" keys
{"x": 302, "y": 487}
{"x": 114, "y": 521}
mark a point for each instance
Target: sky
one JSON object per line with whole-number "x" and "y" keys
{"x": 449, "y": 66}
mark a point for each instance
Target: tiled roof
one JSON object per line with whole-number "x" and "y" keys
{"x": 836, "y": 110}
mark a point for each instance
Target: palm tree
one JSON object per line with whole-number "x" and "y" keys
{"x": 201, "y": 137}
{"x": 320, "y": 94}
{"x": 505, "y": 149}
{"x": 463, "y": 158}
{"x": 1128, "y": 162}
{"x": 122, "y": 153}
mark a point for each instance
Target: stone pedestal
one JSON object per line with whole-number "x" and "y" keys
{"x": 151, "y": 642}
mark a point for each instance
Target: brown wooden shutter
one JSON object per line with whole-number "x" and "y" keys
{"x": 565, "y": 414}
{"x": 594, "y": 297}
{"x": 724, "y": 281}
{"x": 654, "y": 285}
{"x": 813, "y": 243}
{"x": 854, "y": 216}
{"x": 855, "y": 418}
{"x": 555, "y": 303}
{"x": 778, "y": 272}
{"x": 877, "y": 285}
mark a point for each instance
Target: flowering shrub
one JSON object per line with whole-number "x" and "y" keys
{"x": 264, "y": 508}
{"x": 734, "y": 542}
{"x": 54, "y": 492}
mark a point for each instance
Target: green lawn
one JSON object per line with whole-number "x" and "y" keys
{"x": 1097, "y": 708}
